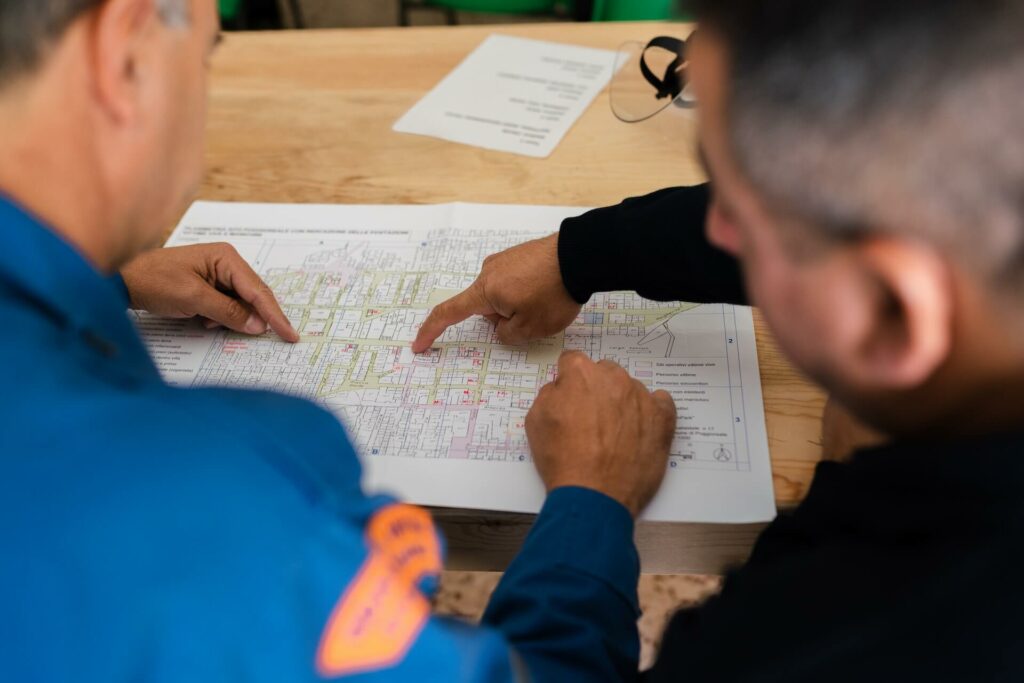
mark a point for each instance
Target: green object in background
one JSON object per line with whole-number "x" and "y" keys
{"x": 603, "y": 10}
{"x": 634, "y": 10}
{"x": 229, "y": 9}
{"x": 498, "y": 6}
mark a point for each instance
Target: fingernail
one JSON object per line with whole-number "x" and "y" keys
{"x": 255, "y": 325}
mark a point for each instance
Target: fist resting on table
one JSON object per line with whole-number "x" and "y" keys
{"x": 598, "y": 428}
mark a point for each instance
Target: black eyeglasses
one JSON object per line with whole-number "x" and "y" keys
{"x": 650, "y": 77}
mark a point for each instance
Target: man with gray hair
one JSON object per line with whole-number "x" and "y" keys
{"x": 866, "y": 160}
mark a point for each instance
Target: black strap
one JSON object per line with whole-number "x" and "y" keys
{"x": 674, "y": 81}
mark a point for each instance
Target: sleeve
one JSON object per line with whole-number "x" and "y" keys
{"x": 653, "y": 245}
{"x": 565, "y": 610}
{"x": 568, "y": 603}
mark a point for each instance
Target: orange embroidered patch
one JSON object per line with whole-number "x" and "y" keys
{"x": 382, "y": 611}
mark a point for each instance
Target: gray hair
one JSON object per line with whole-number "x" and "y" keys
{"x": 29, "y": 28}
{"x": 173, "y": 12}
{"x": 903, "y": 116}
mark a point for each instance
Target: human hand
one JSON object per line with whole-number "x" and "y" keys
{"x": 842, "y": 434}
{"x": 210, "y": 281}
{"x": 597, "y": 427}
{"x": 520, "y": 290}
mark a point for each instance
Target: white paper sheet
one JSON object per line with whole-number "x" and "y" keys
{"x": 446, "y": 428}
{"x": 513, "y": 95}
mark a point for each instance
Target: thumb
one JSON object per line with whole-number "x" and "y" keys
{"x": 510, "y": 331}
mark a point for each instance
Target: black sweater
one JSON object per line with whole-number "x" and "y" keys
{"x": 653, "y": 245}
{"x": 904, "y": 564}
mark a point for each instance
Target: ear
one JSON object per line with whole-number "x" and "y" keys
{"x": 904, "y": 331}
{"x": 118, "y": 42}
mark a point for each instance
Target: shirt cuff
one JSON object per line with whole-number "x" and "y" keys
{"x": 590, "y": 533}
{"x": 589, "y": 256}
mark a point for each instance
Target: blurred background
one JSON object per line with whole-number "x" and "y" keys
{"x": 278, "y": 14}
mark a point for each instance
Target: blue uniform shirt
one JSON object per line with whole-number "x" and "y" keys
{"x": 152, "y": 533}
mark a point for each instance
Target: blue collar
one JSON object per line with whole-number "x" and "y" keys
{"x": 49, "y": 275}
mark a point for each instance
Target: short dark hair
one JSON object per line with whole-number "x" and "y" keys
{"x": 29, "y": 28}
{"x": 898, "y": 115}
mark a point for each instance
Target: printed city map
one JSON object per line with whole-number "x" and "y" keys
{"x": 447, "y": 427}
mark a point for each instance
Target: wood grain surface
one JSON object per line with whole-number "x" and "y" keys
{"x": 307, "y": 116}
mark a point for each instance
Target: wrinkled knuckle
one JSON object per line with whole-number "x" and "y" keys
{"x": 260, "y": 294}
{"x": 439, "y": 311}
{"x": 576, "y": 359}
{"x": 236, "y": 311}
{"x": 479, "y": 292}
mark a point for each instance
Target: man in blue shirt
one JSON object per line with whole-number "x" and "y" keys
{"x": 154, "y": 533}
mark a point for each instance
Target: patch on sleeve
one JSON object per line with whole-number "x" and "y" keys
{"x": 383, "y": 610}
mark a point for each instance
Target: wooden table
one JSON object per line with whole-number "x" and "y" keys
{"x": 306, "y": 117}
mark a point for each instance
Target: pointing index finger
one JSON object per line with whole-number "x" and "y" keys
{"x": 456, "y": 309}
{"x": 250, "y": 287}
